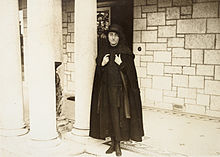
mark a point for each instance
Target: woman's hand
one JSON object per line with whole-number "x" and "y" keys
{"x": 118, "y": 59}
{"x": 105, "y": 59}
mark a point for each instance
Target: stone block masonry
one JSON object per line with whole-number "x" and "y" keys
{"x": 68, "y": 46}
{"x": 181, "y": 42}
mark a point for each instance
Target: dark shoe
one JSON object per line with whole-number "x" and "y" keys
{"x": 118, "y": 149}
{"x": 111, "y": 148}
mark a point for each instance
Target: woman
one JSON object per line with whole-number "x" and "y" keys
{"x": 116, "y": 110}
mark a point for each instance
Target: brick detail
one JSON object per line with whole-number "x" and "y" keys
{"x": 212, "y": 87}
{"x": 196, "y": 81}
{"x": 140, "y": 24}
{"x": 180, "y": 52}
{"x": 212, "y": 113}
{"x": 149, "y": 52}
{"x": 70, "y": 6}
{"x": 162, "y": 56}
{"x": 156, "y": 19}
{"x": 180, "y": 80}
{"x": 156, "y": 46}
{"x": 70, "y": 47}
{"x": 137, "y": 12}
{"x": 146, "y": 58}
{"x": 215, "y": 103}
{"x": 217, "y": 41}
{"x": 155, "y": 68}
{"x": 137, "y": 36}
{"x": 203, "y": 99}
{"x": 146, "y": 82}
{"x": 70, "y": 27}
{"x": 200, "y": 41}
{"x": 162, "y": 40}
{"x": 181, "y": 61}
{"x": 198, "y": 109}
{"x": 205, "y": 10}
{"x": 189, "y": 70}
{"x": 141, "y": 71}
{"x": 187, "y": 93}
{"x": 164, "y": 3}
{"x": 213, "y": 25}
{"x": 175, "y": 42}
{"x": 151, "y": 1}
{"x": 64, "y": 17}
{"x": 186, "y": 10}
{"x": 154, "y": 94}
{"x": 191, "y": 26}
{"x": 149, "y": 36}
{"x": 212, "y": 57}
{"x": 167, "y": 31}
{"x": 217, "y": 72}
{"x": 151, "y": 28}
{"x": 139, "y": 2}
{"x": 205, "y": 70}
{"x": 163, "y": 105}
{"x": 172, "y": 70}
{"x": 171, "y": 22}
{"x": 190, "y": 101}
{"x": 197, "y": 56}
{"x": 173, "y": 100}
{"x": 182, "y": 2}
{"x": 169, "y": 93}
{"x": 173, "y": 13}
{"x": 149, "y": 9}
{"x": 64, "y": 31}
{"x": 162, "y": 82}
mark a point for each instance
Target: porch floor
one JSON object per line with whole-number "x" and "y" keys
{"x": 166, "y": 134}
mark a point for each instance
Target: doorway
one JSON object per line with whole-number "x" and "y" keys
{"x": 120, "y": 12}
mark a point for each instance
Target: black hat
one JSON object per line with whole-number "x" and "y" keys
{"x": 115, "y": 28}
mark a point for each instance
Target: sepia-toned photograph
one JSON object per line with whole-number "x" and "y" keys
{"x": 110, "y": 78}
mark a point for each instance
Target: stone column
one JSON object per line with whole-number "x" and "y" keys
{"x": 41, "y": 37}
{"x": 58, "y": 30}
{"x": 11, "y": 101}
{"x": 85, "y": 54}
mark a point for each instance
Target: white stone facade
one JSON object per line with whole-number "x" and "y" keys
{"x": 182, "y": 37}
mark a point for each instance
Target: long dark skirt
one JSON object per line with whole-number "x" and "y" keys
{"x": 119, "y": 124}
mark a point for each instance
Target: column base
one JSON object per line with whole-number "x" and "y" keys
{"x": 80, "y": 132}
{"x": 45, "y": 144}
{"x": 79, "y": 135}
{"x": 87, "y": 144}
{"x": 13, "y": 132}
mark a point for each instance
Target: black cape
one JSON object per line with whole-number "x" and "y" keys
{"x": 132, "y": 110}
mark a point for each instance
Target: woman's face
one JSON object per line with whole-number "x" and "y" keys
{"x": 113, "y": 38}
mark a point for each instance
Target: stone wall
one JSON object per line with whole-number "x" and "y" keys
{"x": 177, "y": 48}
{"x": 68, "y": 46}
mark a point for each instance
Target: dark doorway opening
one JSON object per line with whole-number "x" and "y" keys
{"x": 121, "y": 13}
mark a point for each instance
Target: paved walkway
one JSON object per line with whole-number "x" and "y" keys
{"x": 184, "y": 134}
{"x": 166, "y": 134}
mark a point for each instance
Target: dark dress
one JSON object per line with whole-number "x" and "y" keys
{"x": 116, "y": 109}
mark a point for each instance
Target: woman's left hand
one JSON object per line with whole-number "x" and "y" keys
{"x": 118, "y": 59}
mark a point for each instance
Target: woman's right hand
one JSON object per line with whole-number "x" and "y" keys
{"x": 105, "y": 59}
